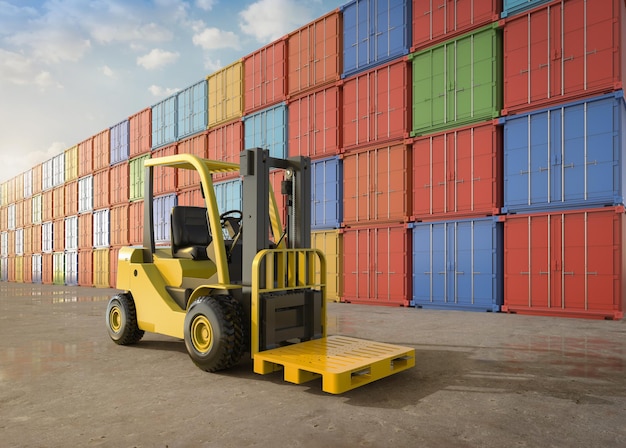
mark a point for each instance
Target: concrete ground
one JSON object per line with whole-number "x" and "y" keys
{"x": 481, "y": 380}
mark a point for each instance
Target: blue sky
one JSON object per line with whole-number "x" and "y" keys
{"x": 71, "y": 68}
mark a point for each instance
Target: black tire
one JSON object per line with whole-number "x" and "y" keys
{"x": 121, "y": 320}
{"x": 214, "y": 333}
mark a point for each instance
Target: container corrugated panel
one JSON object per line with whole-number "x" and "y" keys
{"x": 101, "y": 150}
{"x": 101, "y": 228}
{"x": 71, "y": 268}
{"x": 46, "y": 205}
{"x": 71, "y": 233}
{"x": 434, "y": 22}
{"x": 314, "y": 54}
{"x": 458, "y": 173}
{"x": 119, "y": 142}
{"x": 19, "y": 269}
{"x": 225, "y": 94}
{"x": 162, "y": 212}
{"x": 376, "y": 105}
{"x": 267, "y": 129}
{"x": 377, "y": 265}
{"x": 566, "y": 263}
{"x": 196, "y": 145}
{"x": 28, "y": 183}
{"x": 28, "y": 212}
{"x": 36, "y": 268}
{"x": 458, "y": 82}
{"x": 225, "y": 143}
{"x": 11, "y": 242}
{"x": 164, "y": 178}
{"x": 46, "y": 175}
{"x": 331, "y": 243}
{"x": 58, "y": 170}
{"x": 135, "y": 216}
{"x": 315, "y": 126}
{"x": 374, "y": 32}
{"x": 119, "y": 183}
{"x": 136, "y": 177}
{"x": 326, "y": 193}
{"x": 512, "y": 7}
{"x": 36, "y": 204}
{"x": 58, "y": 235}
{"x": 10, "y": 262}
{"x": 85, "y": 268}
{"x": 377, "y": 185}
{"x": 164, "y": 122}
{"x": 46, "y": 236}
{"x": 458, "y": 265}
{"x": 4, "y": 226}
{"x": 85, "y": 194}
{"x": 58, "y": 268}
{"x": 85, "y": 231}
{"x": 4, "y": 194}
{"x": 562, "y": 51}
{"x": 18, "y": 214}
{"x": 113, "y": 258}
{"x": 4, "y": 244}
{"x": 36, "y": 186}
{"x": 229, "y": 195}
{"x": 28, "y": 268}
{"x": 119, "y": 225}
{"x": 18, "y": 187}
{"x": 567, "y": 156}
{"x": 47, "y": 273}
{"x": 85, "y": 157}
{"x": 71, "y": 197}
{"x": 265, "y": 76}
{"x": 191, "y": 113}
{"x": 101, "y": 268}
{"x": 191, "y": 197}
{"x": 140, "y": 129}
{"x": 19, "y": 242}
{"x": 28, "y": 239}
{"x": 71, "y": 163}
{"x": 58, "y": 202}
{"x": 4, "y": 269}
{"x": 36, "y": 235}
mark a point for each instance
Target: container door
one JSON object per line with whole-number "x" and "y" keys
{"x": 463, "y": 65}
{"x": 572, "y": 260}
{"x": 540, "y": 163}
{"x": 422, "y": 264}
{"x": 539, "y": 256}
{"x": 439, "y": 263}
{"x": 452, "y": 263}
{"x": 516, "y": 159}
{"x": 439, "y": 175}
{"x": 539, "y": 55}
{"x": 602, "y": 53}
{"x": 601, "y": 152}
{"x": 464, "y": 247}
{"x": 604, "y": 247}
{"x": 429, "y": 21}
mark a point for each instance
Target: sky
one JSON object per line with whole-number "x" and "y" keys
{"x": 72, "y": 68}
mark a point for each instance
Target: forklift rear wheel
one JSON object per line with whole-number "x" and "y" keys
{"x": 121, "y": 320}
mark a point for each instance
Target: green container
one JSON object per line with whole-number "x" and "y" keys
{"x": 458, "y": 82}
{"x": 58, "y": 268}
{"x": 137, "y": 172}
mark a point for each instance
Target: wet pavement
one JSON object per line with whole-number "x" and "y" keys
{"x": 481, "y": 379}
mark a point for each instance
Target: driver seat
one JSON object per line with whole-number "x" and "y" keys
{"x": 190, "y": 233}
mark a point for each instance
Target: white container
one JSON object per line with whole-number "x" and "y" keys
{"x": 101, "y": 228}
{"x": 58, "y": 170}
{"x": 36, "y": 269}
{"x": 71, "y": 268}
{"x": 28, "y": 183}
{"x": 4, "y": 244}
{"x": 19, "y": 242}
{"x": 71, "y": 233}
{"x": 46, "y": 175}
{"x": 46, "y": 237}
{"x": 85, "y": 194}
{"x": 11, "y": 216}
{"x": 36, "y": 209}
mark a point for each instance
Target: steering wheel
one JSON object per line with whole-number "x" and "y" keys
{"x": 234, "y": 218}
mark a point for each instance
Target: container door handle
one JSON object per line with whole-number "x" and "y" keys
{"x": 568, "y": 273}
{"x": 544, "y": 272}
{"x": 460, "y": 181}
{"x": 459, "y": 272}
{"x": 592, "y": 273}
{"x": 521, "y": 72}
{"x": 569, "y": 58}
{"x": 594, "y": 51}
{"x": 522, "y": 172}
{"x": 441, "y": 272}
{"x": 543, "y": 65}
{"x": 524, "y": 273}
{"x": 543, "y": 169}
{"x": 570, "y": 165}
{"x": 593, "y": 162}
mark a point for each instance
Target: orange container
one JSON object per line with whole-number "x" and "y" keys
{"x": 101, "y": 189}
{"x": 85, "y": 157}
{"x": 28, "y": 268}
{"x": 197, "y": 145}
{"x": 225, "y": 143}
{"x": 135, "y": 216}
{"x": 47, "y": 270}
{"x": 10, "y": 261}
{"x": 19, "y": 214}
{"x": 118, "y": 183}
{"x": 28, "y": 212}
{"x": 85, "y": 267}
{"x": 265, "y": 76}
{"x": 46, "y": 205}
{"x": 119, "y": 225}
{"x": 58, "y": 235}
{"x": 58, "y": 202}
{"x": 71, "y": 198}
{"x": 140, "y": 132}
{"x": 85, "y": 231}
{"x": 36, "y": 178}
{"x": 164, "y": 179}
{"x": 113, "y": 257}
{"x": 191, "y": 197}
{"x": 35, "y": 239}
{"x": 101, "y": 150}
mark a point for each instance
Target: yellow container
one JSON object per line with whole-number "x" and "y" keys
{"x": 225, "y": 88}
{"x": 101, "y": 268}
{"x": 19, "y": 269}
{"x": 58, "y": 268}
{"x": 330, "y": 242}
{"x": 71, "y": 163}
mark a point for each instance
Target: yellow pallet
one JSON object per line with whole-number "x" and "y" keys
{"x": 343, "y": 363}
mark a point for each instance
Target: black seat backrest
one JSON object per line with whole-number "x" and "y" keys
{"x": 190, "y": 232}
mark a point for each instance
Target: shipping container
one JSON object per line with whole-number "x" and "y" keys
{"x": 71, "y": 233}
{"x": 19, "y": 242}
{"x": 315, "y": 127}
{"x": 191, "y": 197}
{"x": 136, "y": 177}
{"x": 47, "y": 230}
{"x": 135, "y": 215}
{"x": 28, "y": 240}
{"x": 374, "y": 32}
{"x": 331, "y": 243}
{"x": 71, "y": 273}
{"x": 164, "y": 178}
{"x": 377, "y": 265}
{"x": 4, "y": 244}
{"x": 196, "y": 145}
{"x": 18, "y": 187}
{"x": 4, "y": 218}
{"x": 101, "y": 268}
{"x": 71, "y": 197}
{"x": 85, "y": 231}
{"x": 140, "y": 130}
{"x": 568, "y": 263}
{"x": 27, "y": 218}
{"x": 36, "y": 234}
{"x": 71, "y": 163}
{"x": 4, "y": 194}
{"x": 101, "y": 228}
{"x": 568, "y": 156}
{"x": 36, "y": 178}
{"x": 28, "y": 268}
{"x": 119, "y": 141}
{"x": 458, "y": 82}
{"x": 265, "y": 76}
{"x": 47, "y": 271}
{"x": 46, "y": 175}
{"x": 10, "y": 261}
{"x": 225, "y": 92}
{"x": 119, "y": 183}
{"x": 36, "y": 268}
{"x": 27, "y": 178}
{"x": 164, "y": 122}
{"x": 267, "y": 129}
{"x": 85, "y": 157}
{"x": 46, "y": 205}
{"x": 458, "y": 265}
{"x": 36, "y": 209}
{"x": 58, "y": 202}
{"x": 19, "y": 269}
{"x": 516, "y": 6}
{"x": 326, "y": 193}
{"x": 58, "y": 170}
{"x": 58, "y": 268}
{"x": 458, "y": 173}
{"x": 113, "y": 258}
{"x": 4, "y": 269}
{"x": 85, "y": 194}
{"x": 225, "y": 143}
{"x": 119, "y": 225}
{"x": 101, "y": 188}
{"x": 314, "y": 54}
{"x": 562, "y": 51}
{"x": 229, "y": 195}
{"x": 16, "y": 215}
{"x": 11, "y": 243}
{"x": 58, "y": 235}
{"x": 377, "y": 185}
{"x": 191, "y": 104}
{"x": 434, "y": 22}
{"x": 162, "y": 211}
{"x": 85, "y": 268}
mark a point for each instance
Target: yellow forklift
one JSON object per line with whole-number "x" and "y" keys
{"x": 241, "y": 282}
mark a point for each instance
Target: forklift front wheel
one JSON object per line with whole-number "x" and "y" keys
{"x": 121, "y": 319}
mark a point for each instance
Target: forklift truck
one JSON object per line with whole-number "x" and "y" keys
{"x": 241, "y": 282}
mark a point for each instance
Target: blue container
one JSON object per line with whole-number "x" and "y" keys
{"x": 326, "y": 193}
{"x": 192, "y": 109}
{"x": 120, "y": 142}
{"x": 374, "y": 32}
{"x": 512, "y": 7}
{"x": 458, "y": 265}
{"x": 164, "y": 122}
{"x": 229, "y": 195}
{"x": 267, "y": 129}
{"x": 162, "y": 212}
{"x": 566, "y": 156}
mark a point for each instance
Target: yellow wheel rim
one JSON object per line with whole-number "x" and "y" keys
{"x": 115, "y": 319}
{"x": 201, "y": 334}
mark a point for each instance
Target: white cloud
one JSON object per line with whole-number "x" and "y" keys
{"x": 157, "y": 58}
{"x": 53, "y": 45}
{"x": 17, "y": 69}
{"x": 130, "y": 32}
{"x": 211, "y": 65}
{"x": 214, "y": 38}
{"x": 267, "y": 20}
{"x": 160, "y": 92}
{"x": 107, "y": 71}
{"x": 207, "y": 5}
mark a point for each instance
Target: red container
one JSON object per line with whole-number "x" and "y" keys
{"x": 58, "y": 235}
{"x": 376, "y": 105}
{"x": 435, "y": 22}
{"x": 101, "y": 189}
{"x": 101, "y": 150}
{"x": 58, "y": 202}
{"x": 164, "y": 179}
{"x": 47, "y": 270}
{"x": 314, "y": 54}
{"x": 119, "y": 225}
{"x": 225, "y": 143}
{"x": 191, "y": 197}
{"x": 458, "y": 173}
{"x": 135, "y": 215}
{"x": 113, "y": 256}
{"x": 377, "y": 265}
{"x": 85, "y": 267}
{"x": 46, "y": 205}
{"x": 197, "y": 145}
{"x": 28, "y": 268}
{"x": 85, "y": 157}
{"x": 377, "y": 185}
{"x": 140, "y": 129}
{"x": 566, "y": 263}
{"x": 71, "y": 198}
{"x": 118, "y": 183}
{"x": 36, "y": 178}
{"x": 265, "y": 76}
{"x": 562, "y": 51}
{"x": 35, "y": 247}
{"x": 314, "y": 128}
